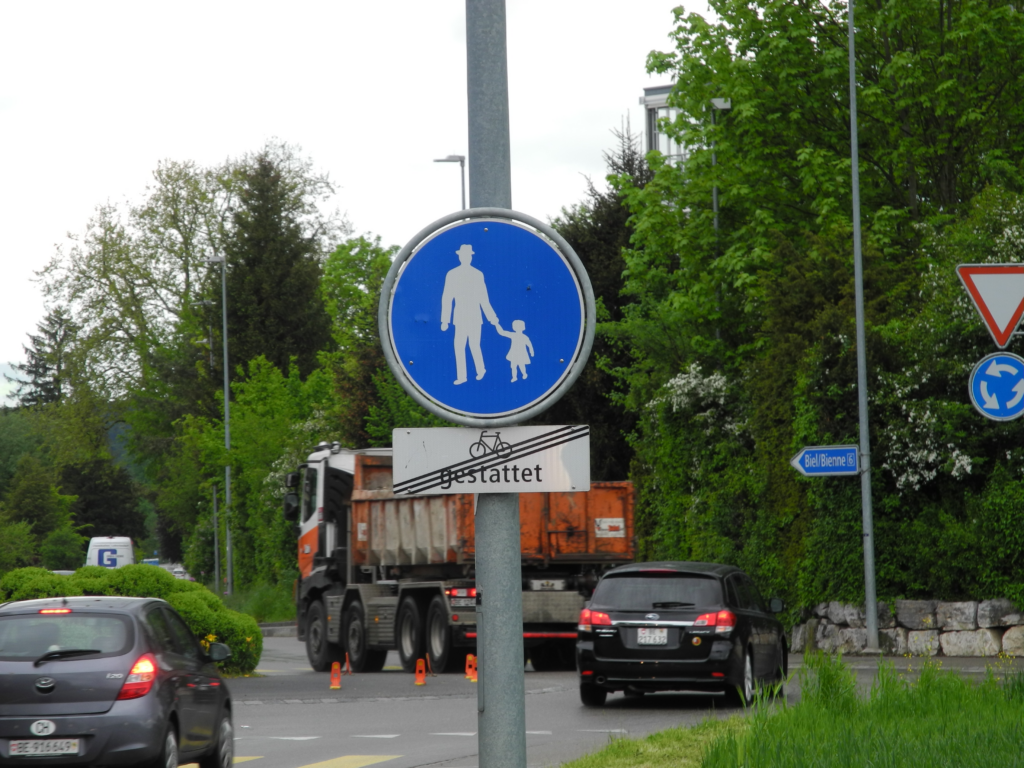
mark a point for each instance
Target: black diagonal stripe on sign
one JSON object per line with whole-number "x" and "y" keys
{"x": 520, "y": 450}
{"x": 474, "y": 463}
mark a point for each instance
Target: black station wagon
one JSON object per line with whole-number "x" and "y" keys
{"x": 109, "y": 681}
{"x": 675, "y": 626}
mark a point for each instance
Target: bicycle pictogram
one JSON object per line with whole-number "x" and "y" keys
{"x": 490, "y": 444}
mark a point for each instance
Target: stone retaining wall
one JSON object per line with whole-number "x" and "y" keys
{"x": 917, "y": 627}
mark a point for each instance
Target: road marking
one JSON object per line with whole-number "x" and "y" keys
{"x": 454, "y": 734}
{"x": 391, "y": 669}
{"x": 352, "y": 761}
{"x": 603, "y": 730}
{"x": 299, "y": 738}
{"x": 247, "y": 759}
{"x": 375, "y": 735}
{"x": 538, "y": 733}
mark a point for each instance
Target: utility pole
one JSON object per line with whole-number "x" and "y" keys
{"x": 501, "y": 695}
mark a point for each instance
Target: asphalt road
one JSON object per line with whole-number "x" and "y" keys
{"x": 290, "y": 718}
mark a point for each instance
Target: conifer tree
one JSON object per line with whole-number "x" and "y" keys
{"x": 46, "y": 361}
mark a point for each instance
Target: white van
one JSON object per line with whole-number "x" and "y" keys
{"x": 110, "y": 551}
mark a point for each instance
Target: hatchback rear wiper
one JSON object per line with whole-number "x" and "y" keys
{"x": 51, "y": 655}
{"x": 673, "y": 605}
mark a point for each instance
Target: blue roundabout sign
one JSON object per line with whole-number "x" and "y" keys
{"x": 487, "y": 317}
{"x": 997, "y": 386}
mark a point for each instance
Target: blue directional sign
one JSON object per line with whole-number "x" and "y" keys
{"x": 997, "y": 386}
{"x": 824, "y": 460}
{"x": 485, "y": 318}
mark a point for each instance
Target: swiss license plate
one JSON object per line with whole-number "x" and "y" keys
{"x": 463, "y": 602}
{"x": 652, "y": 636}
{"x": 45, "y": 747}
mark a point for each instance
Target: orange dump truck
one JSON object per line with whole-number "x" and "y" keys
{"x": 380, "y": 572}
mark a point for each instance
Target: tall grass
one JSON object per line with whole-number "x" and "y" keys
{"x": 264, "y": 602}
{"x": 939, "y": 720}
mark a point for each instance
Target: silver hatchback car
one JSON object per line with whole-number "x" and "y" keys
{"x": 109, "y": 681}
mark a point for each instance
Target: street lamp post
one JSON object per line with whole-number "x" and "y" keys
{"x": 216, "y": 531}
{"x": 461, "y": 160}
{"x": 717, "y": 105}
{"x": 227, "y": 417}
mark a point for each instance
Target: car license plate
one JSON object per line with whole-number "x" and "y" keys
{"x": 45, "y": 747}
{"x": 652, "y": 636}
{"x": 463, "y": 602}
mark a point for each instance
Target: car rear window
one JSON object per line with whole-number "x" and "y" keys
{"x": 29, "y": 636}
{"x": 643, "y": 591}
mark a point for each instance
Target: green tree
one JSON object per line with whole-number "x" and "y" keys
{"x": 107, "y": 502}
{"x": 17, "y": 544}
{"x": 46, "y": 360}
{"x": 17, "y": 437}
{"x": 366, "y": 402}
{"x": 33, "y": 498}
{"x": 598, "y": 230}
{"x": 275, "y": 251}
{"x": 742, "y": 337}
{"x": 63, "y": 549}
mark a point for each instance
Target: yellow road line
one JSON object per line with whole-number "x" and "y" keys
{"x": 237, "y": 760}
{"x": 352, "y": 761}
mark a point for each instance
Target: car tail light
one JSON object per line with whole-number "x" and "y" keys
{"x": 590, "y": 619}
{"x": 140, "y": 679}
{"x": 55, "y": 610}
{"x": 723, "y": 621}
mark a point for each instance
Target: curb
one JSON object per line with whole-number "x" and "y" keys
{"x": 280, "y": 629}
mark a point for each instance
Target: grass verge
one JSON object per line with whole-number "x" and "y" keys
{"x": 938, "y": 720}
{"x": 674, "y": 748}
{"x": 264, "y": 602}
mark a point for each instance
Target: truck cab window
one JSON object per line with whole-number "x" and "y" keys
{"x": 308, "y": 493}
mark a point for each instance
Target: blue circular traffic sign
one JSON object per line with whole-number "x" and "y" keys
{"x": 487, "y": 317}
{"x": 997, "y": 386}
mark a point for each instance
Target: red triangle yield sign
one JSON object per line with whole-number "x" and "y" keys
{"x": 997, "y": 290}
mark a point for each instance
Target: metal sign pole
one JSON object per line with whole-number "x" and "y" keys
{"x": 871, "y": 605}
{"x": 502, "y": 695}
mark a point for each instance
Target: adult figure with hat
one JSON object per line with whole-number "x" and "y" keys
{"x": 465, "y": 287}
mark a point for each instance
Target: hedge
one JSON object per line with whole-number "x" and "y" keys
{"x": 203, "y": 611}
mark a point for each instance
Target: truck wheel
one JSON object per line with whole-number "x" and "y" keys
{"x": 409, "y": 634}
{"x": 360, "y": 657}
{"x": 321, "y": 654}
{"x": 543, "y": 658}
{"x": 443, "y": 656}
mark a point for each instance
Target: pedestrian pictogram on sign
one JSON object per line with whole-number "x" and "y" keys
{"x": 997, "y": 291}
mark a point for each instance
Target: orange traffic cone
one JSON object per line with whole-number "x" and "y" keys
{"x": 470, "y": 663}
{"x": 335, "y": 676}
{"x": 473, "y": 670}
{"x": 348, "y": 667}
{"x": 421, "y": 672}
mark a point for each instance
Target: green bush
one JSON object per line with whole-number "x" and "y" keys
{"x": 208, "y": 618}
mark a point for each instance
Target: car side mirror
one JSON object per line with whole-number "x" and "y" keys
{"x": 291, "y": 506}
{"x": 291, "y": 480}
{"x": 775, "y": 605}
{"x": 218, "y": 652}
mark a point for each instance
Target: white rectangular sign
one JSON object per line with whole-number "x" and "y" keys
{"x": 431, "y": 462}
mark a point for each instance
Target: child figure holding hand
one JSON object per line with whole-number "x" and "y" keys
{"x": 521, "y": 350}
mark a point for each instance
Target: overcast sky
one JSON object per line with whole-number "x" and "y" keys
{"x": 94, "y": 94}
